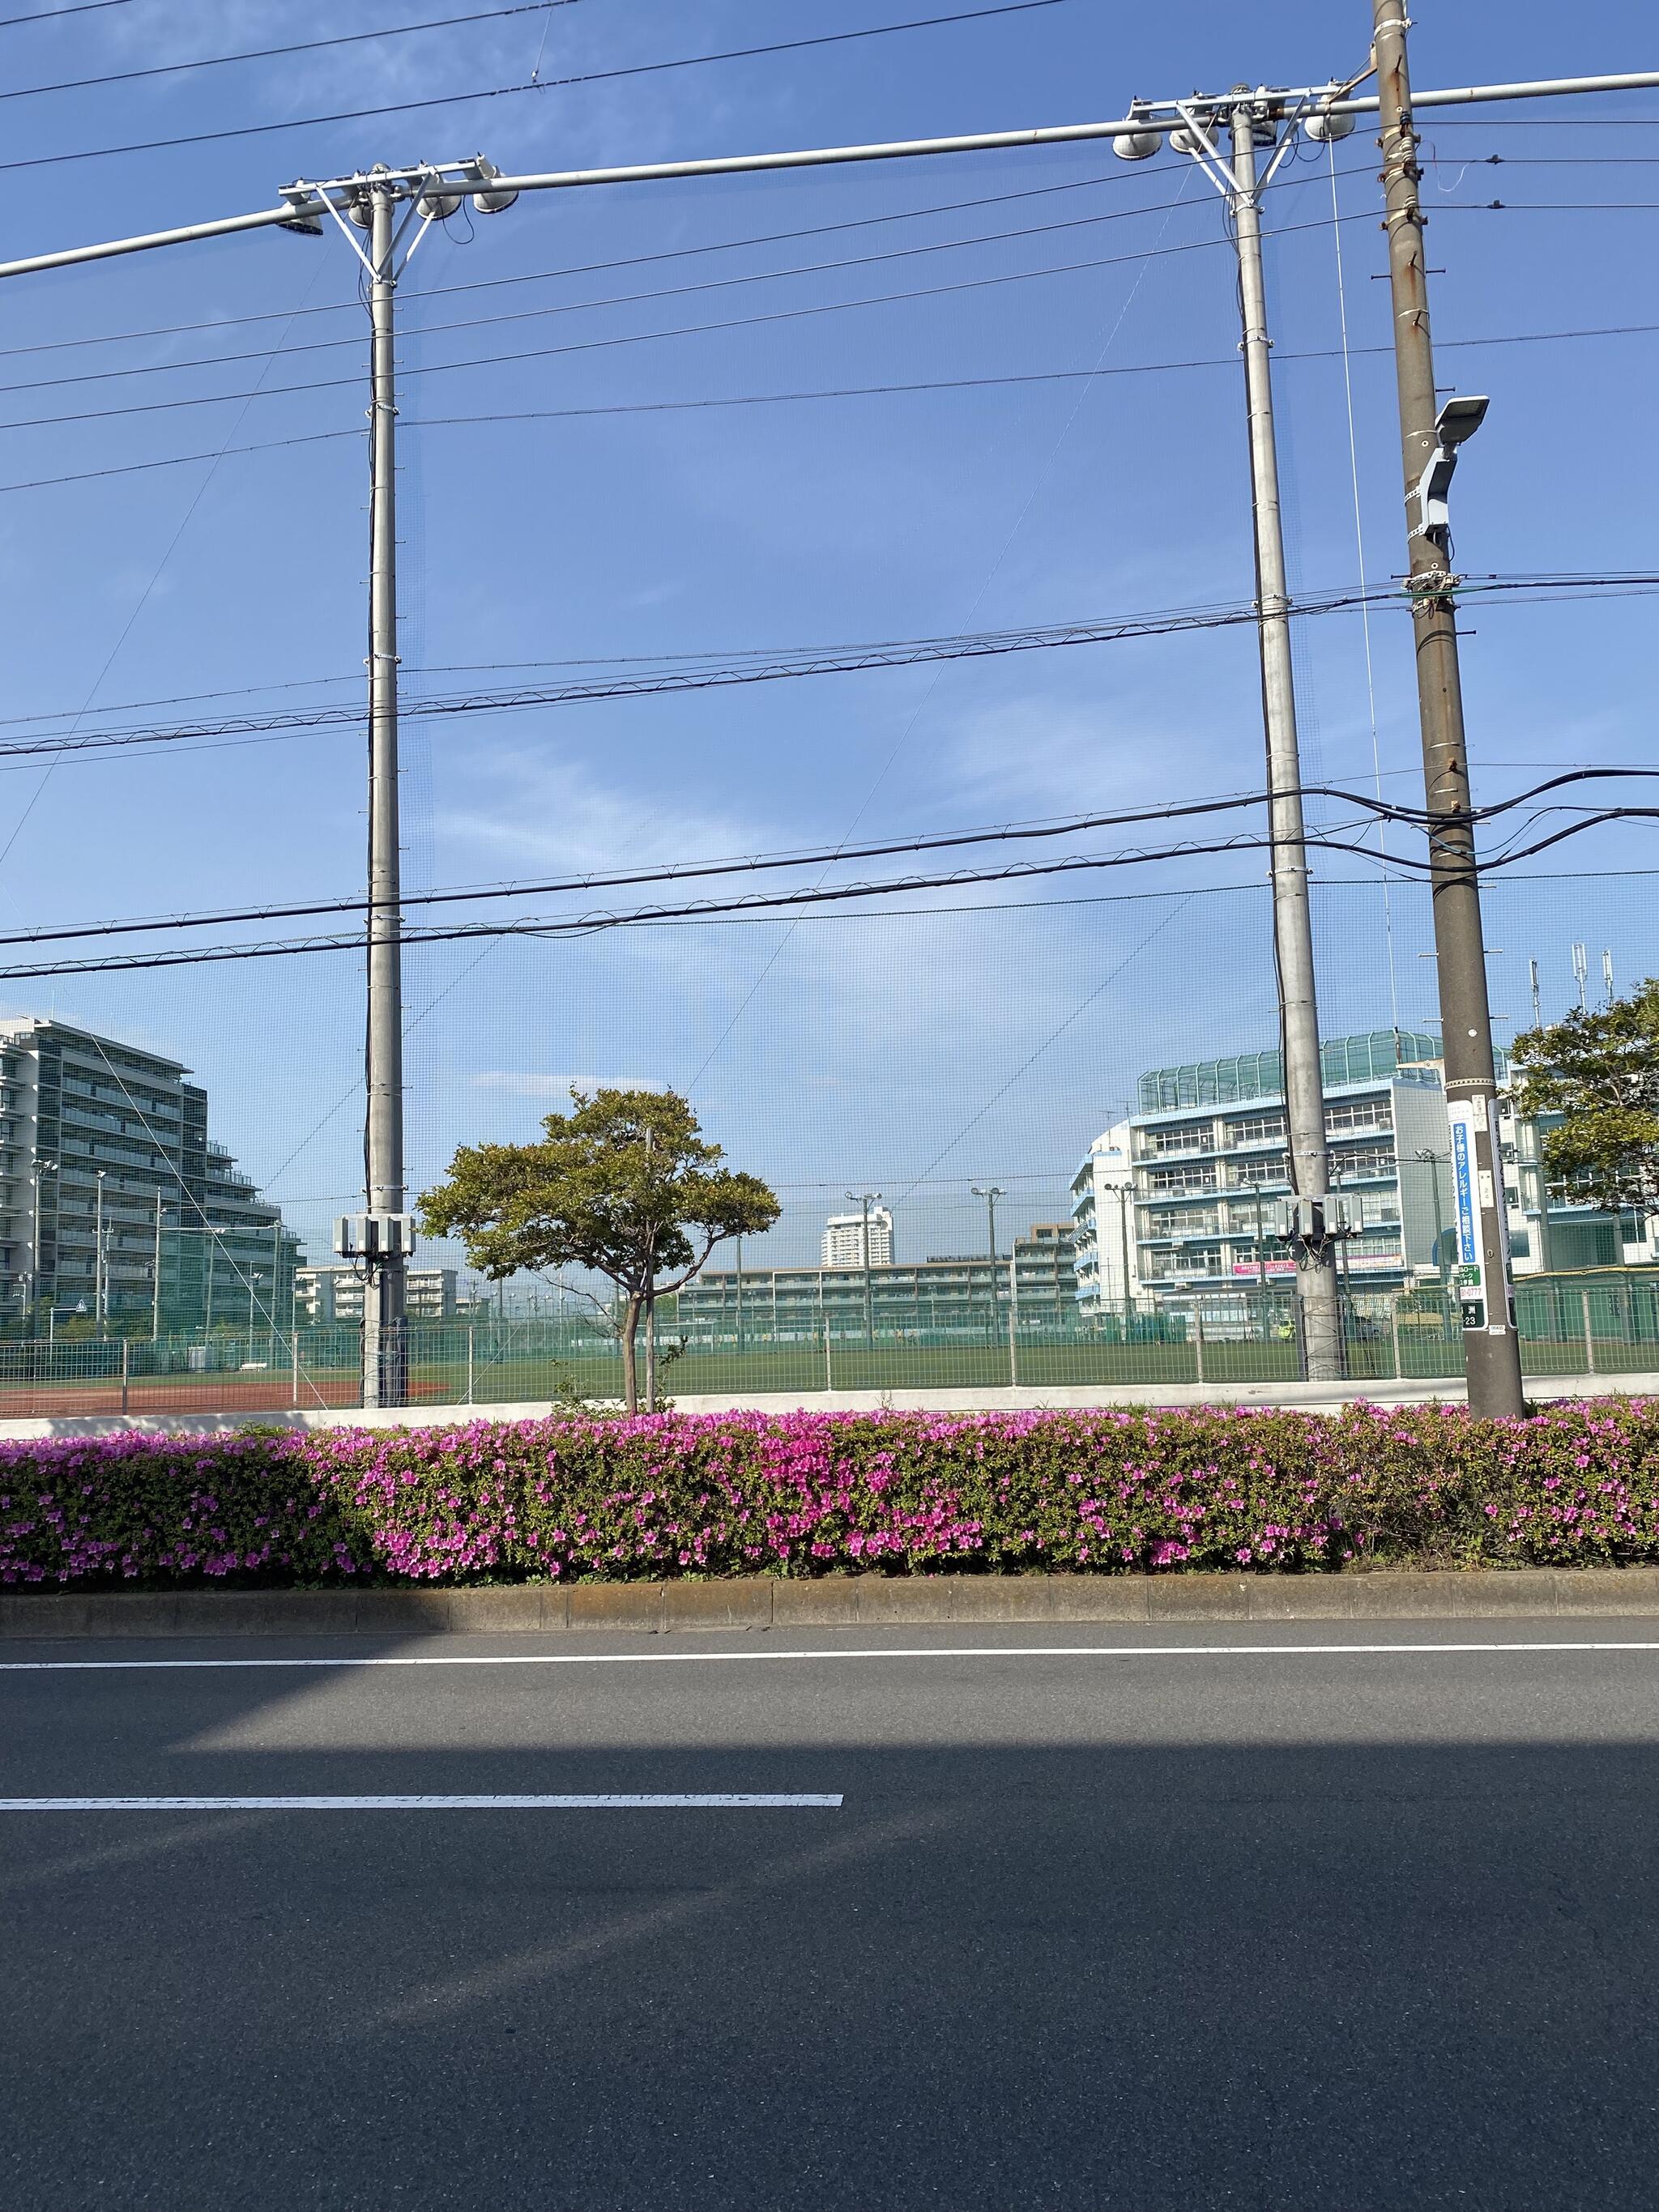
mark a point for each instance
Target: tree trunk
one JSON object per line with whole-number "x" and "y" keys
{"x": 651, "y": 1350}
{"x": 630, "y": 1365}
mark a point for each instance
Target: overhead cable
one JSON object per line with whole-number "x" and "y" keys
{"x": 508, "y": 91}
{"x": 885, "y": 848}
{"x": 642, "y": 338}
{"x": 496, "y": 416}
{"x": 712, "y": 673}
{"x": 616, "y": 300}
{"x": 595, "y": 924}
{"x": 277, "y": 54}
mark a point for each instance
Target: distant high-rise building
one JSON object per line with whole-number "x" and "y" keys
{"x": 96, "y": 1135}
{"x": 843, "y": 1239}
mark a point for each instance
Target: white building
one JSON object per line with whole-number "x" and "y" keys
{"x": 1103, "y": 1218}
{"x": 843, "y": 1239}
{"x": 1203, "y": 1159}
{"x": 323, "y": 1294}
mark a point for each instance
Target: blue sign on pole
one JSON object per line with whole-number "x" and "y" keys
{"x": 1468, "y": 1242}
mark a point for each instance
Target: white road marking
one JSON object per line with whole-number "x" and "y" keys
{"x": 734, "y": 1658}
{"x": 565, "y": 1804}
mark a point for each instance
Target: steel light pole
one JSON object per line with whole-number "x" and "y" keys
{"x": 1434, "y": 1161}
{"x": 991, "y": 1193}
{"x": 39, "y": 1168}
{"x": 865, "y": 1200}
{"x": 98, "y": 1305}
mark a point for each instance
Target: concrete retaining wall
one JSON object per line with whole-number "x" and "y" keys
{"x": 764, "y": 1602}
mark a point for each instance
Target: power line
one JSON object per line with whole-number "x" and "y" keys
{"x": 595, "y": 268}
{"x": 792, "y": 399}
{"x": 675, "y": 872}
{"x": 885, "y": 848}
{"x": 614, "y": 299}
{"x": 507, "y": 91}
{"x": 590, "y": 924}
{"x": 759, "y": 665}
{"x": 277, "y": 54}
{"x": 56, "y": 15}
{"x": 642, "y": 337}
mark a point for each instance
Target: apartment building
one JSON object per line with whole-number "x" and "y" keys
{"x": 326, "y": 1295}
{"x": 843, "y": 1239}
{"x": 114, "y": 1201}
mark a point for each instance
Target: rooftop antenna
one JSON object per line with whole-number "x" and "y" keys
{"x": 1537, "y": 997}
{"x": 1580, "y": 972}
{"x": 1607, "y": 975}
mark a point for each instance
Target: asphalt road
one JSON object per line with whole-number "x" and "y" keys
{"x": 1282, "y": 1927}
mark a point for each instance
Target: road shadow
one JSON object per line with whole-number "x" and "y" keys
{"x": 1158, "y": 1975}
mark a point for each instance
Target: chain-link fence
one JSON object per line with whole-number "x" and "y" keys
{"x": 1608, "y": 1325}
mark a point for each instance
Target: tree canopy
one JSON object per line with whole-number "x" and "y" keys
{"x": 624, "y": 1184}
{"x": 1599, "y": 1069}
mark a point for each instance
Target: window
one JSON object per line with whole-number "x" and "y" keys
{"x": 1269, "y": 1168}
{"x": 1160, "y": 1180}
{"x": 1359, "y": 1114}
{"x": 1363, "y": 1160}
{"x": 1257, "y": 1129}
{"x": 1196, "y": 1137}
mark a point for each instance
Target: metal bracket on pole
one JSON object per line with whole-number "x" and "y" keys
{"x": 1198, "y": 144}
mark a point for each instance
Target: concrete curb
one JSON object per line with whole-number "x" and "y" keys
{"x": 844, "y": 1602}
{"x": 1301, "y": 1397}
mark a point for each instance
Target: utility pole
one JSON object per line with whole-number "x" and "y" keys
{"x": 1486, "y": 1293}
{"x": 385, "y": 1342}
{"x": 865, "y": 1200}
{"x": 1305, "y": 1093}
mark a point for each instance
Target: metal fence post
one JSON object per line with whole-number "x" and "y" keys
{"x": 472, "y": 1358}
{"x": 1013, "y": 1325}
{"x": 1393, "y": 1332}
{"x": 829, "y": 1371}
{"x": 1198, "y": 1338}
{"x": 293, "y": 1355}
{"x": 126, "y": 1354}
{"x": 1589, "y": 1333}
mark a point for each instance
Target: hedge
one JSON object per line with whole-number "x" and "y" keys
{"x": 606, "y": 1499}
{"x": 812, "y": 1493}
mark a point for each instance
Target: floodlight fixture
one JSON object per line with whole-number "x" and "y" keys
{"x": 1457, "y": 422}
{"x": 1137, "y": 144}
{"x": 1459, "y": 418}
{"x": 1323, "y": 127}
{"x": 482, "y": 173}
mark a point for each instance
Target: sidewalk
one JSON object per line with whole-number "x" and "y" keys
{"x": 1307, "y": 1397}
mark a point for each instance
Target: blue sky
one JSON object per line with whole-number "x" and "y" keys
{"x": 925, "y": 1053}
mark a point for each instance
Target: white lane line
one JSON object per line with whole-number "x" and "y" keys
{"x": 564, "y": 1804}
{"x": 734, "y": 1658}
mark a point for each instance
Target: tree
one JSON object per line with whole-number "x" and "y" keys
{"x": 1598, "y": 1070}
{"x": 625, "y": 1184}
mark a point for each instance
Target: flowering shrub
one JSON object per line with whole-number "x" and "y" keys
{"x": 1103, "y": 1492}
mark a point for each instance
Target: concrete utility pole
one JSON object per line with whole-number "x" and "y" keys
{"x": 386, "y": 1339}
{"x": 1305, "y": 1093}
{"x": 1486, "y": 1292}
